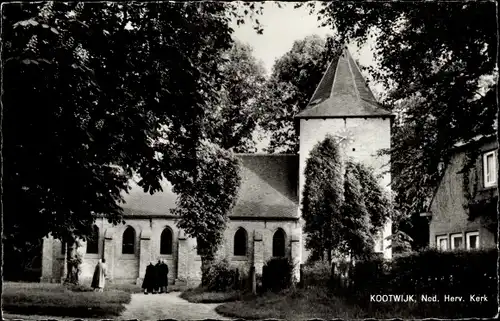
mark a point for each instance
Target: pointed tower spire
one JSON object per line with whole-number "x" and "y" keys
{"x": 342, "y": 92}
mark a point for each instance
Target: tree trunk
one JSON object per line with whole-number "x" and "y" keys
{"x": 64, "y": 271}
{"x": 69, "y": 254}
{"x": 205, "y": 264}
{"x": 72, "y": 268}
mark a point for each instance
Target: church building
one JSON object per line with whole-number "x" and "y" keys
{"x": 266, "y": 220}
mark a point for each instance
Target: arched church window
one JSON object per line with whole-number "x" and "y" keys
{"x": 166, "y": 241}
{"x": 93, "y": 241}
{"x": 279, "y": 243}
{"x": 128, "y": 244}
{"x": 240, "y": 242}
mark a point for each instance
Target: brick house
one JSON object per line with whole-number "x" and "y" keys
{"x": 464, "y": 206}
{"x": 266, "y": 219}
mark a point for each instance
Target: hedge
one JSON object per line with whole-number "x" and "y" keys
{"x": 220, "y": 277}
{"x": 315, "y": 273}
{"x": 277, "y": 274}
{"x": 431, "y": 272}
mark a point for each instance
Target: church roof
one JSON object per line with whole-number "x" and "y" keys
{"x": 342, "y": 92}
{"x": 268, "y": 191}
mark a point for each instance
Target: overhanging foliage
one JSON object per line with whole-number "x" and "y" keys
{"x": 94, "y": 93}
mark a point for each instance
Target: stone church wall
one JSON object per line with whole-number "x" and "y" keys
{"x": 184, "y": 263}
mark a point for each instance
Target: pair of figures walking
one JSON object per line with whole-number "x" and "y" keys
{"x": 99, "y": 278}
{"x": 156, "y": 278}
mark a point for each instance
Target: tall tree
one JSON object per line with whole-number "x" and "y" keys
{"x": 323, "y": 197}
{"x": 438, "y": 56}
{"x": 94, "y": 93}
{"x": 356, "y": 226}
{"x": 294, "y": 78}
{"x": 377, "y": 200}
{"x": 235, "y": 118}
{"x": 204, "y": 201}
{"x": 343, "y": 205}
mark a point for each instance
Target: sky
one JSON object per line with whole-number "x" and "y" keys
{"x": 282, "y": 26}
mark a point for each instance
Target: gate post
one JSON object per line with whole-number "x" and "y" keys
{"x": 109, "y": 252}
{"x": 253, "y": 280}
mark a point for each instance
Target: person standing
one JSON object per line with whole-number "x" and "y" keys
{"x": 159, "y": 277}
{"x": 99, "y": 278}
{"x": 149, "y": 282}
{"x": 165, "y": 276}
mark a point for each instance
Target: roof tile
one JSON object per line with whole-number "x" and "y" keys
{"x": 268, "y": 190}
{"x": 343, "y": 92}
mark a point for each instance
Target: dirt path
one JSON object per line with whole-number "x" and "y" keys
{"x": 154, "y": 307}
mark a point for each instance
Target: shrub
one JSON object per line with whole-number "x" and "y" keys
{"x": 432, "y": 272}
{"x": 277, "y": 274}
{"x": 219, "y": 276}
{"x": 258, "y": 281}
{"x": 74, "y": 263}
{"x": 242, "y": 280}
{"x": 369, "y": 274}
{"x": 201, "y": 295}
{"x": 79, "y": 288}
{"x": 316, "y": 273}
{"x": 452, "y": 272}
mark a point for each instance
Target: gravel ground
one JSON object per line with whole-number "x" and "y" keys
{"x": 154, "y": 307}
{"x": 150, "y": 307}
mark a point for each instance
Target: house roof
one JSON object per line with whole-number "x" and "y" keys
{"x": 476, "y": 139}
{"x": 268, "y": 190}
{"x": 342, "y": 92}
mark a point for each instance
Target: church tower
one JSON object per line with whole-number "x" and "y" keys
{"x": 344, "y": 107}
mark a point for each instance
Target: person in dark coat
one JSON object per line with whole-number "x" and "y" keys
{"x": 165, "y": 273}
{"x": 149, "y": 282}
{"x": 159, "y": 277}
{"x": 163, "y": 276}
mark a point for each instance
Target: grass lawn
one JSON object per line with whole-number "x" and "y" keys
{"x": 317, "y": 302}
{"x": 200, "y": 295}
{"x": 58, "y": 300}
{"x": 290, "y": 305}
{"x": 125, "y": 287}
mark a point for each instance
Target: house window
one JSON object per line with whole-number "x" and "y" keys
{"x": 472, "y": 240}
{"x": 128, "y": 243}
{"x": 442, "y": 242}
{"x": 457, "y": 241}
{"x": 279, "y": 243}
{"x": 490, "y": 169}
{"x": 166, "y": 241}
{"x": 240, "y": 242}
{"x": 93, "y": 241}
